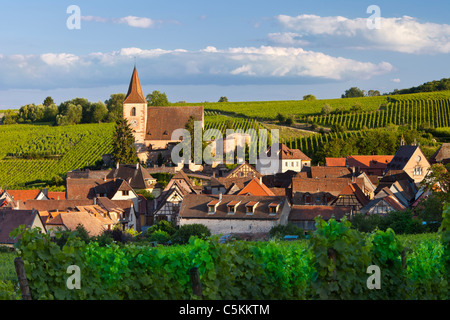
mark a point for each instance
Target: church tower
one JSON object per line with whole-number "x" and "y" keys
{"x": 135, "y": 110}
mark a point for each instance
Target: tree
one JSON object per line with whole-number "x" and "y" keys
{"x": 48, "y": 101}
{"x": 353, "y": 92}
{"x": 281, "y": 117}
{"x": 71, "y": 115}
{"x": 10, "y": 117}
{"x": 309, "y": 97}
{"x": 157, "y": 98}
{"x": 98, "y": 112}
{"x": 279, "y": 231}
{"x": 373, "y": 93}
{"x": 326, "y": 109}
{"x": 123, "y": 144}
{"x": 437, "y": 175}
{"x": 223, "y": 99}
{"x": 186, "y": 231}
{"x": 115, "y": 106}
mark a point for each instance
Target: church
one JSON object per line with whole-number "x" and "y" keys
{"x": 153, "y": 126}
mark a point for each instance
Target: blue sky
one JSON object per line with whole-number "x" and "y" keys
{"x": 200, "y": 50}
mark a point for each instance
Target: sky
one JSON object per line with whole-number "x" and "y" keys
{"x": 198, "y": 51}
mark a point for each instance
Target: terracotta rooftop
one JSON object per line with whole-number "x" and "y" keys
{"x": 256, "y": 188}
{"x": 335, "y": 162}
{"x": 369, "y": 161}
{"x": 162, "y": 121}
{"x": 135, "y": 94}
{"x": 309, "y": 213}
{"x": 71, "y": 220}
{"x": 329, "y": 172}
{"x": 287, "y": 153}
{"x": 23, "y": 194}
{"x": 333, "y": 186}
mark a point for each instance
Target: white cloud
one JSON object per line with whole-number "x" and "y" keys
{"x": 265, "y": 64}
{"x": 405, "y": 34}
{"x": 137, "y": 22}
{"x": 131, "y": 21}
{"x": 287, "y": 39}
{"x": 396, "y": 80}
{"x": 60, "y": 60}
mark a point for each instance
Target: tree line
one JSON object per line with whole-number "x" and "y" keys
{"x": 78, "y": 110}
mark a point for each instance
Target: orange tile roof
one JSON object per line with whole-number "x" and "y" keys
{"x": 135, "y": 94}
{"x": 335, "y": 162}
{"x": 369, "y": 161}
{"x": 256, "y": 188}
{"x": 53, "y": 195}
{"x": 23, "y": 194}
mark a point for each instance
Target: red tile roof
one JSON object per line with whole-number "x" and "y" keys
{"x": 162, "y": 121}
{"x": 135, "y": 94}
{"x": 370, "y": 161}
{"x": 335, "y": 162}
{"x": 256, "y": 188}
{"x": 330, "y": 172}
{"x": 308, "y": 213}
{"x": 287, "y": 153}
{"x": 315, "y": 185}
{"x": 23, "y": 194}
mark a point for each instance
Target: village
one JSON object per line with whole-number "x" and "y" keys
{"x": 245, "y": 200}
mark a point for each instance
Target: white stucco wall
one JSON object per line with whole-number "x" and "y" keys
{"x": 225, "y": 226}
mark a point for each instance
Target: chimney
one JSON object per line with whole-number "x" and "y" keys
{"x": 260, "y": 180}
{"x": 137, "y": 166}
{"x": 117, "y": 165}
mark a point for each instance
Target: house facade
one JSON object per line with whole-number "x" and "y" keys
{"x": 225, "y": 214}
{"x": 411, "y": 160}
{"x": 285, "y": 159}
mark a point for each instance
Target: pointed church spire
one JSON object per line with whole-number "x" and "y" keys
{"x": 135, "y": 94}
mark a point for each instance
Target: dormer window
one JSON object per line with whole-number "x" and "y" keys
{"x": 273, "y": 207}
{"x": 231, "y": 206}
{"x": 212, "y": 206}
{"x": 250, "y": 207}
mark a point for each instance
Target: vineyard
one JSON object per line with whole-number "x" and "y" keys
{"x": 331, "y": 264}
{"x": 416, "y": 113}
{"x": 35, "y": 154}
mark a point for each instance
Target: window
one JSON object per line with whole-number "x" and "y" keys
{"x": 125, "y": 192}
{"x": 418, "y": 171}
{"x": 230, "y": 208}
{"x": 133, "y": 112}
{"x": 249, "y": 209}
{"x": 273, "y": 209}
{"x": 308, "y": 199}
{"x": 211, "y": 209}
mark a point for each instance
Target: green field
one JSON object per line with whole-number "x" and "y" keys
{"x": 268, "y": 110}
